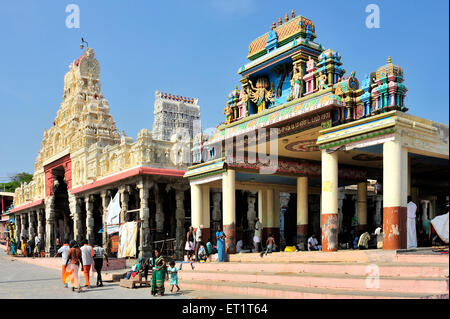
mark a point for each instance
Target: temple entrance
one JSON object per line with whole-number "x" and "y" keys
{"x": 63, "y": 223}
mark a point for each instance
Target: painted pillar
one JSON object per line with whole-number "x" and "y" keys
{"x": 329, "y": 201}
{"x": 196, "y": 205}
{"x": 144, "y": 215}
{"x": 32, "y": 230}
{"x": 395, "y": 163}
{"x": 180, "y": 214}
{"x": 302, "y": 212}
{"x": 216, "y": 211}
{"x": 206, "y": 208}
{"x": 106, "y": 198}
{"x": 49, "y": 225}
{"x": 90, "y": 233}
{"x": 362, "y": 206}
{"x": 272, "y": 222}
{"x": 229, "y": 210}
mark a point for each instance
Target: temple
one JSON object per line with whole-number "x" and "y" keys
{"x": 84, "y": 161}
{"x": 309, "y": 148}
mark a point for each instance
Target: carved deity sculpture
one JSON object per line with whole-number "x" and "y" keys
{"x": 296, "y": 83}
{"x": 244, "y": 102}
{"x": 228, "y": 111}
{"x": 322, "y": 81}
{"x": 260, "y": 94}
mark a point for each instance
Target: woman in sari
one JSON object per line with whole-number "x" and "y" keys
{"x": 13, "y": 246}
{"x": 220, "y": 244}
{"x": 158, "y": 275}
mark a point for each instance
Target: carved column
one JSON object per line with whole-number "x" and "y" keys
{"x": 251, "y": 212}
{"x": 32, "y": 229}
{"x": 75, "y": 212}
{"x": 90, "y": 232}
{"x": 124, "y": 196}
{"x": 144, "y": 215}
{"x": 106, "y": 198}
{"x": 24, "y": 230}
{"x": 159, "y": 216}
{"x": 425, "y": 215}
{"x": 378, "y": 207}
{"x": 341, "y": 197}
{"x": 18, "y": 223}
{"x": 180, "y": 214}
{"x": 41, "y": 223}
{"x": 49, "y": 225}
{"x": 217, "y": 210}
{"x": 284, "y": 202}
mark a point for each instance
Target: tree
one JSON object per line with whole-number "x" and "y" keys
{"x": 15, "y": 182}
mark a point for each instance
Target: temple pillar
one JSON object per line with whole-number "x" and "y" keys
{"x": 75, "y": 212}
{"x": 216, "y": 211}
{"x": 284, "y": 202}
{"x": 262, "y": 209}
{"x": 378, "y": 207}
{"x": 272, "y": 222}
{"x": 302, "y": 212}
{"x": 32, "y": 229}
{"x": 49, "y": 225}
{"x": 90, "y": 232}
{"x": 329, "y": 201}
{"x": 362, "y": 206}
{"x": 124, "y": 197}
{"x": 251, "y": 212}
{"x": 341, "y": 197}
{"x": 229, "y": 210}
{"x": 24, "y": 230}
{"x": 18, "y": 222}
{"x": 395, "y": 164}
{"x": 425, "y": 215}
{"x": 105, "y": 195}
{"x": 159, "y": 215}
{"x": 180, "y": 218}
{"x": 206, "y": 207}
{"x": 41, "y": 225}
{"x": 196, "y": 206}
{"x": 145, "y": 250}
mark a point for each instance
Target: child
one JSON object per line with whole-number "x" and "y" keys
{"x": 173, "y": 271}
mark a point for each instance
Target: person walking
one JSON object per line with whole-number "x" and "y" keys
{"x": 74, "y": 256}
{"x": 64, "y": 250}
{"x": 87, "y": 254}
{"x": 270, "y": 244}
{"x": 411, "y": 234}
{"x": 189, "y": 247}
{"x": 198, "y": 240}
{"x": 99, "y": 252}
{"x": 37, "y": 246}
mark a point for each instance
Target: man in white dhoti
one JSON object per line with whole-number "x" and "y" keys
{"x": 411, "y": 209}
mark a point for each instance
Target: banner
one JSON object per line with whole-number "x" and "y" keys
{"x": 113, "y": 214}
{"x": 127, "y": 240}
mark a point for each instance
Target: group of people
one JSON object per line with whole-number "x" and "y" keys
{"x": 29, "y": 248}
{"x": 75, "y": 258}
{"x": 196, "y": 250}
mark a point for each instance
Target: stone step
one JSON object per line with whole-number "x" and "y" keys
{"x": 385, "y": 269}
{"x": 430, "y": 286}
{"x": 413, "y": 258}
{"x": 291, "y": 292}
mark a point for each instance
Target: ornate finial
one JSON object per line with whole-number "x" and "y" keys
{"x": 81, "y": 45}
{"x": 170, "y": 96}
{"x": 274, "y": 25}
{"x": 389, "y": 60}
{"x": 286, "y": 18}
{"x": 292, "y": 14}
{"x": 280, "y": 22}
{"x": 165, "y": 95}
{"x": 184, "y": 100}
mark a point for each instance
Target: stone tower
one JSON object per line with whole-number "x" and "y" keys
{"x": 175, "y": 114}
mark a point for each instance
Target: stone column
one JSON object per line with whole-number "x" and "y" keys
{"x": 180, "y": 214}
{"x": 105, "y": 195}
{"x": 216, "y": 211}
{"x": 378, "y": 206}
{"x": 272, "y": 222}
{"x": 49, "y": 225}
{"x": 41, "y": 227}
{"x": 395, "y": 163}
{"x": 229, "y": 210}
{"x": 262, "y": 207}
{"x": 124, "y": 196}
{"x": 284, "y": 202}
{"x": 206, "y": 231}
{"x": 159, "y": 215}
{"x": 341, "y": 197}
{"x": 424, "y": 210}
{"x": 302, "y": 212}
{"x": 32, "y": 229}
{"x": 90, "y": 232}
{"x": 18, "y": 223}
{"x": 24, "y": 230}
{"x": 251, "y": 212}
{"x": 362, "y": 206}
{"x": 329, "y": 201}
{"x": 144, "y": 215}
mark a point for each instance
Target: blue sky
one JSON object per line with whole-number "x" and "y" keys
{"x": 194, "y": 48}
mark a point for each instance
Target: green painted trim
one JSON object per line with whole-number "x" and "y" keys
{"x": 195, "y": 177}
{"x": 357, "y": 138}
{"x": 190, "y": 168}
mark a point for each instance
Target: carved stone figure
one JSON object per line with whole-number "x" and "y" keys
{"x": 261, "y": 94}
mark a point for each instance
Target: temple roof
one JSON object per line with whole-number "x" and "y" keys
{"x": 295, "y": 28}
{"x": 389, "y": 69}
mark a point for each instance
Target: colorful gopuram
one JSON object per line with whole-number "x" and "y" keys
{"x": 84, "y": 161}
{"x": 341, "y": 155}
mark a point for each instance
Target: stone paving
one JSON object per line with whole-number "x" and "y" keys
{"x": 19, "y": 280}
